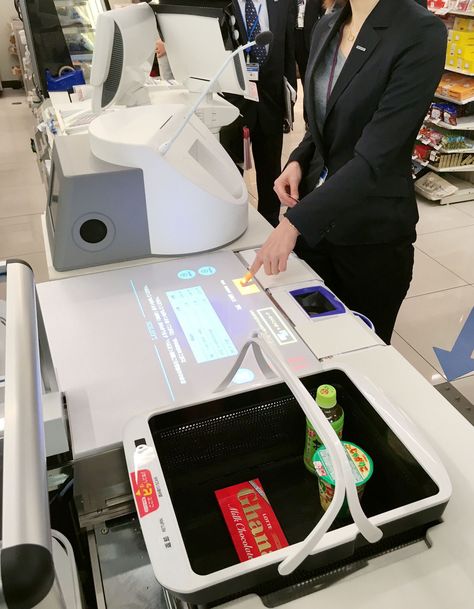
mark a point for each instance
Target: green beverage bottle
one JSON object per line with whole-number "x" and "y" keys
{"x": 326, "y": 399}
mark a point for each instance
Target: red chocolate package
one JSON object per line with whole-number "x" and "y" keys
{"x": 251, "y": 522}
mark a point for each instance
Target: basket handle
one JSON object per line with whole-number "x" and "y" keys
{"x": 261, "y": 361}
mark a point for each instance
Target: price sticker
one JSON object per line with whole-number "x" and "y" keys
{"x": 144, "y": 492}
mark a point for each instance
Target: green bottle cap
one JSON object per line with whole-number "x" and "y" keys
{"x": 326, "y": 396}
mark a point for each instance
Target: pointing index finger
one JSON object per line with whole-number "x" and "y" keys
{"x": 256, "y": 265}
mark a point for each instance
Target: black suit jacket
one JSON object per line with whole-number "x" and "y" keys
{"x": 313, "y": 12}
{"x": 280, "y": 61}
{"x": 373, "y": 116}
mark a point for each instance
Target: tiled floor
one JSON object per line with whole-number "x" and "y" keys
{"x": 22, "y": 194}
{"x": 439, "y": 301}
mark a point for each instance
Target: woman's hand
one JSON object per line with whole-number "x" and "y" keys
{"x": 273, "y": 255}
{"x": 286, "y": 186}
{"x": 160, "y": 49}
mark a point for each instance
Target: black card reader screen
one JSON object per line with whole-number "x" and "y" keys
{"x": 315, "y": 303}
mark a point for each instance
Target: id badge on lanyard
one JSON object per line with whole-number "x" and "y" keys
{"x": 252, "y": 71}
{"x": 253, "y": 68}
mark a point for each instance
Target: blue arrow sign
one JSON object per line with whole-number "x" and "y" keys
{"x": 459, "y": 361}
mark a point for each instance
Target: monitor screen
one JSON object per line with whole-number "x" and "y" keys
{"x": 179, "y": 25}
{"x": 45, "y": 38}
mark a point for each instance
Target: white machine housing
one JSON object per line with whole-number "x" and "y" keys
{"x": 123, "y": 56}
{"x": 124, "y": 53}
{"x": 196, "y": 199}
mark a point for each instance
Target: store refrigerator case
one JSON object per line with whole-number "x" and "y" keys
{"x": 259, "y": 434}
{"x": 60, "y": 33}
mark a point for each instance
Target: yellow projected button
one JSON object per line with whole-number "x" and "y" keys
{"x": 245, "y": 290}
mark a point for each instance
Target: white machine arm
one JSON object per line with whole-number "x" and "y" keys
{"x": 26, "y": 562}
{"x": 344, "y": 481}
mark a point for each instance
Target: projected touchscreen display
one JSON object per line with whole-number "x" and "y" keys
{"x": 198, "y": 316}
{"x": 151, "y": 336}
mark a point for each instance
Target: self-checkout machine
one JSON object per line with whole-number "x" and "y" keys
{"x": 159, "y": 163}
{"x": 153, "y": 344}
{"x": 189, "y": 362}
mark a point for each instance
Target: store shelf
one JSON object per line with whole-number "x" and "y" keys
{"x": 73, "y": 3}
{"x": 458, "y": 71}
{"x": 81, "y": 56}
{"x": 25, "y": 71}
{"x": 455, "y": 101}
{"x": 442, "y": 150}
{"x": 465, "y": 191}
{"x": 460, "y": 13}
{"x": 446, "y": 11}
{"x": 451, "y": 169}
{"x": 465, "y": 123}
{"x": 76, "y": 28}
{"x": 456, "y": 151}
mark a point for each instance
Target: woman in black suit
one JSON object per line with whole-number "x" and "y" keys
{"x": 373, "y": 69}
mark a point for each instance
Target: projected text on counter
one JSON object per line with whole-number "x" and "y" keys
{"x": 191, "y": 319}
{"x": 201, "y": 325}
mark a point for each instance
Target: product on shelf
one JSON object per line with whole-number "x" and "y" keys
{"x": 421, "y": 153}
{"x": 456, "y": 86}
{"x": 416, "y": 169}
{"x": 460, "y": 50}
{"x": 449, "y": 113}
{"x": 443, "y": 6}
{"x": 434, "y": 187}
{"x": 463, "y": 24}
{"x": 447, "y": 161}
{"x": 430, "y": 137}
{"x": 436, "y": 5}
{"x": 441, "y": 139}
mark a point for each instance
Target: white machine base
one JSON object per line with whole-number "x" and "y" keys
{"x": 196, "y": 199}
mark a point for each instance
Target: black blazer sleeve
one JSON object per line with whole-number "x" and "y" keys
{"x": 407, "y": 95}
{"x": 305, "y": 152}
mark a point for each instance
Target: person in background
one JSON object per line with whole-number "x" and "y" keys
{"x": 163, "y": 63}
{"x": 309, "y": 11}
{"x": 264, "y": 118}
{"x": 373, "y": 68}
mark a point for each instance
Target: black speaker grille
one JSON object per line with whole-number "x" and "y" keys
{"x": 112, "y": 83}
{"x": 93, "y": 231}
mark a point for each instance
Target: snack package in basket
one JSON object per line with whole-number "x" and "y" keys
{"x": 250, "y": 519}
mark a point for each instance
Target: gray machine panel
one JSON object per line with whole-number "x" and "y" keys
{"x": 156, "y": 336}
{"x": 96, "y": 211}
